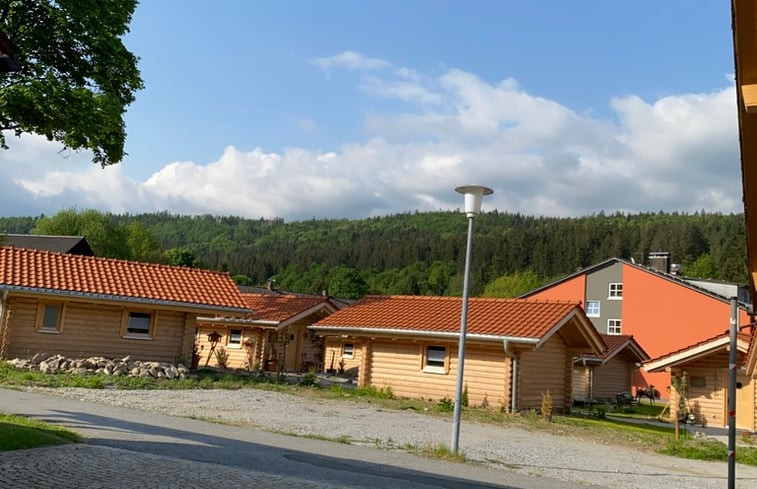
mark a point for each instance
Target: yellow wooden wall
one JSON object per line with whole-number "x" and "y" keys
{"x": 238, "y": 355}
{"x": 398, "y": 364}
{"x": 541, "y": 370}
{"x": 710, "y": 403}
{"x": 333, "y": 355}
{"x": 612, "y": 378}
{"x": 91, "y": 329}
{"x": 580, "y": 379}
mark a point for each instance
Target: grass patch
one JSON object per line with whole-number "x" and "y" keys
{"x": 17, "y": 432}
{"x": 440, "y": 451}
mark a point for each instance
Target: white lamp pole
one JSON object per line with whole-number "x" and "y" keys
{"x": 473, "y": 196}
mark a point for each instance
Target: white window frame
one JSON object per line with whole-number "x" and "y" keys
{"x": 231, "y": 342}
{"x": 598, "y": 311}
{"x": 615, "y": 291}
{"x": 435, "y": 365}
{"x": 614, "y": 326}
{"x": 348, "y": 350}
{"x": 137, "y": 335}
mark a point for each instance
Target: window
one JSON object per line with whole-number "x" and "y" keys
{"x": 697, "y": 381}
{"x": 348, "y": 350}
{"x": 592, "y": 308}
{"x": 49, "y": 318}
{"x": 613, "y": 326}
{"x": 235, "y": 338}
{"x": 616, "y": 291}
{"x": 138, "y": 325}
{"x": 435, "y": 359}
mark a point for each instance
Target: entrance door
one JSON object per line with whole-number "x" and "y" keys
{"x": 745, "y": 403}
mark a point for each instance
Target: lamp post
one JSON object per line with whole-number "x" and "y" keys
{"x": 473, "y": 196}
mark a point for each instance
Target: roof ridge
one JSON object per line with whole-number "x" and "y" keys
{"x": 104, "y": 259}
{"x": 477, "y": 299}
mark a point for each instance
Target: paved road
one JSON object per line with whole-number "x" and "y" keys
{"x": 127, "y": 448}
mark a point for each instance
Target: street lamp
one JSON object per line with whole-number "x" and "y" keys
{"x": 473, "y": 196}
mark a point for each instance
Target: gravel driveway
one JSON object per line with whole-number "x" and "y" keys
{"x": 510, "y": 449}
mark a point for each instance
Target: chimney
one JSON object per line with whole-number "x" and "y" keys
{"x": 659, "y": 260}
{"x": 271, "y": 284}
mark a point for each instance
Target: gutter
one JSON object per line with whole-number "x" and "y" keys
{"x": 3, "y": 324}
{"x": 119, "y": 298}
{"x": 514, "y": 376}
{"x": 425, "y": 334}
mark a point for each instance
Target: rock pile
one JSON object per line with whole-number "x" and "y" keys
{"x": 53, "y": 364}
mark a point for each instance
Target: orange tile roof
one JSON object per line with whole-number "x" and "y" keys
{"x": 520, "y": 318}
{"x": 615, "y": 343}
{"x": 107, "y": 278}
{"x": 743, "y": 337}
{"x": 279, "y": 307}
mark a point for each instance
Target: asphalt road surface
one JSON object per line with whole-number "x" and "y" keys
{"x": 129, "y": 448}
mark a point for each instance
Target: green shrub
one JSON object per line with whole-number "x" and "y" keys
{"x": 309, "y": 379}
{"x": 222, "y": 356}
{"x": 445, "y": 405}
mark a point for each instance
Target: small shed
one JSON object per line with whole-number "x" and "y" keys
{"x": 272, "y": 336}
{"x": 705, "y": 365}
{"x": 516, "y": 350}
{"x": 611, "y": 373}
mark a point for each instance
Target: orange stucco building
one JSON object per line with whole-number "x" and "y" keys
{"x": 664, "y": 312}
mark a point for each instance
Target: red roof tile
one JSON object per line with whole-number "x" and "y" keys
{"x": 519, "y": 318}
{"x": 615, "y": 343}
{"x": 279, "y": 308}
{"x": 117, "y": 279}
{"x": 743, "y": 337}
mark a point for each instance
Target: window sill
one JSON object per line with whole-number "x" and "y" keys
{"x": 614, "y": 298}
{"x": 434, "y": 370}
{"x": 48, "y": 331}
{"x": 234, "y": 347}
{"x": 136, "y": 336}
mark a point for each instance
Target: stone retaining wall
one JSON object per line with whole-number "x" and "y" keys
{"x": 53, "y": 364}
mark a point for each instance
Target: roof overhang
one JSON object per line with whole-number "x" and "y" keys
{"x": 311, "y": 310}
{"x": 745, "y": 56}
{"x": 584, "y": 327}
{"x": 410, "y": 333}
{"x": 85, "y": 296}
{"x": 694, "y": 353}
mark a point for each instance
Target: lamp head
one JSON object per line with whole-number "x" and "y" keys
{"x": 474, "y": 194}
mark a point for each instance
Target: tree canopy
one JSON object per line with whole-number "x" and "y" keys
{"x": 76, "y": 77}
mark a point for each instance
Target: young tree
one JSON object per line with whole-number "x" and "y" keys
{"x": 76, "y": 77}
{"x": 106, "y": 238}
{"x": 512, "y": 285}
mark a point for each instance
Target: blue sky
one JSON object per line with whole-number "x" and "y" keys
{"x": 332, "y": 109}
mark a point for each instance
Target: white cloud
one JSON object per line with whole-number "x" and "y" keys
{"x": 542, "y": 158}
{"x": 352, "y": 61}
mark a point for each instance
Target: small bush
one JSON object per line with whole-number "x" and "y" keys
{"x": 445, "y": 405}
{"x": 222, "y": 356}
{"x": 546, "y": 405}
{"x": 464, "y": 400}
{"x": 309, "y": 379}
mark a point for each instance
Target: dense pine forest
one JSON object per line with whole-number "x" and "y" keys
{"x": 417, "y": 253}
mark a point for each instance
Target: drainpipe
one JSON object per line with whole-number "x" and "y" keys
{"x": 3, "y": 324}
{"x": 514, "y": 376}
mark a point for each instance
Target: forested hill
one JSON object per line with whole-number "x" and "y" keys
{"x": 420, "y": 253}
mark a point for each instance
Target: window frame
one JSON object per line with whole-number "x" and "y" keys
{"x": 232, "y": 344}
{"x": 133, "y": 335}
{"x": 615, "y": 291}
{"x": 594, "y": 314}
{"x": 39, "y": 320}
{"x": 351, "y": 353}
{"x": 437, "y": 367}
{"x": 615, "y": 324}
